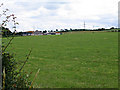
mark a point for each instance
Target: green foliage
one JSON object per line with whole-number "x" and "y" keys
{"x": 9, "y": 64}
{"x": 13, "y": 78}
{"x": 5, "y": 32}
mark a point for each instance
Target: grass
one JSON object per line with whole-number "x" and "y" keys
{"x": 75, "y": 59}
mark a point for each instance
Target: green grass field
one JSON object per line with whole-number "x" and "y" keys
{"x": 75, "y": 59}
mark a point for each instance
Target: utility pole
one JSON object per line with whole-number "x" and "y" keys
{"x": 84, "y": 24}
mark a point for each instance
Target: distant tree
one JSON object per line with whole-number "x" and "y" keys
{"x": 112, "y": 28}
{"x": 66, "y": 30}
{"x": 5, "y": 32}
{"x": 56, "y": 30}
{"x": 48, "y": 30}
{"x": 19, "y": 34}
{"x": 61, "y": 30}
{"x": 101, "y": 29}
{"x": 45, "y": 31}
{"x": 70, "y": 29}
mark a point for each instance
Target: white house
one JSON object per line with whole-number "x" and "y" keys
{"x": 38, "y": 32}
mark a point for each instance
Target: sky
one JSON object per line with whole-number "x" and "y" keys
{"x": 62, "y": 14}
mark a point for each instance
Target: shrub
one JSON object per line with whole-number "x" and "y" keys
{"x": 12, "y": 77}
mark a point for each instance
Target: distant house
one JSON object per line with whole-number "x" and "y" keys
{"x": 51, "y": 33}
{"x": 58, "y": 33}
{"x": 29, "y": 33}
{"x": 54, "y": 33}
{"x": 38, "y": 32}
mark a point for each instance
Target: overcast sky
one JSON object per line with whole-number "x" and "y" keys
{"x": 63, "y": 14}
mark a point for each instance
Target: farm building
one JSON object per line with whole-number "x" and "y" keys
{"x": 51, "y": 33}
{"x": 54, "y": 33}
{"x": 38, "y": 32}
{"x": 58, "y": 33}
{"x": 29, "y": 33}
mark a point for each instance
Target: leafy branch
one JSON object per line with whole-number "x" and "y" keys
{"x": 10, "y": 78}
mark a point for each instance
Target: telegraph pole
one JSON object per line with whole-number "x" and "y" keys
{"x": 84, "y": 24}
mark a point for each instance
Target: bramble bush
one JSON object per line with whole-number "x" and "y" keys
{"x": 12, "y": 77}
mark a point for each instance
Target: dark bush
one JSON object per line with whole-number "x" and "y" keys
{"x": 14, "y": 78}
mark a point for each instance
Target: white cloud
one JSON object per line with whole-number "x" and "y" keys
{"x": 63, "y": 13}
